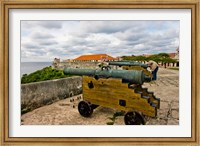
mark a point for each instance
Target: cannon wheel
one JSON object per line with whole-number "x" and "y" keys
{"x": 85, "y": 108}
{"x": 134, "y": 118}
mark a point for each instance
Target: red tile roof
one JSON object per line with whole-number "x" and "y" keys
{"x": 95, "y": 57}
{"x": 172, "y": 55}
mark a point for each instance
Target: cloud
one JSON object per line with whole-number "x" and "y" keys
{"x": 101, "y": 27}
{"x": 40, "y": 35}
{"x": 48, "y": 43}
{"x": 70, "y": 39}
{"x": 42, "y": 24}
{"x": 51, "y": 24}
{"x": 27, "y": 45}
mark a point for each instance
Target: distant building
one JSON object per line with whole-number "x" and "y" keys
{"x": 147, "y": 55}
{"x": 119, "y": 58}
{"x": 94, "y": 58}
{"x": 172, "y": 55}
{"x": 56, "y": 62}
{"x": 177, "y": 54}
{"x": 68, "y": 60}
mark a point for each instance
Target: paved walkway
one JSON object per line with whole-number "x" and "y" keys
{"x": 167, "y": 89}
{"x": 65, "y": 112}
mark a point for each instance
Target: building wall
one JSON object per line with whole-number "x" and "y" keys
{"x": 89, "y": 65}
{"x": 34, "y": 95}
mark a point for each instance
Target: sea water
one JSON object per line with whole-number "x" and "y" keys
{"x": 29, "y": 67}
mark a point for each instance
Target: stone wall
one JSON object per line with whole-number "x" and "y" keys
{"x": 94, "y": 65}
{"x": 34, "y": 95}
{"x": 90, "y": 65}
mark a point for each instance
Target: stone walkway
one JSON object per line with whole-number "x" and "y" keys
{"x": 65, "y": 112}
{"x": 167, "y": 89}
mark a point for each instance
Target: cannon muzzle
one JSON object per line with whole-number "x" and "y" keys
{"x": 128, "y": 63}
{"x": 127, "y": 76}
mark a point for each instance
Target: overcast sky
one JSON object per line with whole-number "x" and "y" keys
{"x": 46, "y": 40}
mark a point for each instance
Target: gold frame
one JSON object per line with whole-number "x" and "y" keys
{"x": 182, "y": 4}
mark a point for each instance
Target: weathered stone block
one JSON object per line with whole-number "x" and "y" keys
{"x": 172, "y": 122}
{"x": 175, "y": 114}
{"x": 175, "y": 105}
{"x": 34, "y": 95}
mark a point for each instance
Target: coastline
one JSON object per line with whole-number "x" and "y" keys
{"x": 30, "y": 67}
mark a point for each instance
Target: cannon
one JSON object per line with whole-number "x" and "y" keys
{"x": 128, "y": 63}
{"x": 127, "y": 76}
{"x": 132, "y": 65}
{"x": 117, "y": 89}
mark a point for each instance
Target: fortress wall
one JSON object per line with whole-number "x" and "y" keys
{"x": 90, "y": 65}
{"x": 34, "y": 95}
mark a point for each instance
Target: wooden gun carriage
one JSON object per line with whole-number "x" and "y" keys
{"x": 117, "y": 89}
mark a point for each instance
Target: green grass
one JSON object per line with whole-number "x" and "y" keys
{"x": 176, "y": 68}
{"x": 47, "y": 73}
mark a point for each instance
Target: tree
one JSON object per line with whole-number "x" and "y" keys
{"x": 164, "y": 58}
{"x": 140, "y": 58}
{"x": 163, "y": 55}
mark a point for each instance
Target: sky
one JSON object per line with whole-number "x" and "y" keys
{"x": 42, "y": 41}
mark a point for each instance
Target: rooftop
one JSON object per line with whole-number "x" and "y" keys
{"x": 95, "y": 57}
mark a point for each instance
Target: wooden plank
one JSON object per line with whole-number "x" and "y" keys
{"x": 108, "y": 93}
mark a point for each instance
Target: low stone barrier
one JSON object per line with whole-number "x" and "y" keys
{"x": 37, "y": 94}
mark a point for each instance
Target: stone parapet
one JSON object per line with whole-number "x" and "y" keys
{"x": 34, "y": 95}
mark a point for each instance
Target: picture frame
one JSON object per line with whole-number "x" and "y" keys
{"x": 110, "y": 4}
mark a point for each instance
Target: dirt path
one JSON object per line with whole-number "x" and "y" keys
{"x": 65, "y": 112}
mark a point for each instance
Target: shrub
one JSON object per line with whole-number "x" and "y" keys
{"x": 47, "y": 73}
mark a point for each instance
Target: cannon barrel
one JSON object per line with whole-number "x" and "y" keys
{"x": 128, "y": 63}
{"x": 127, "y": 76}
